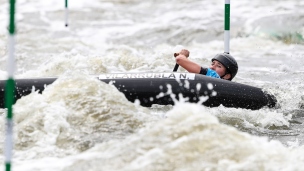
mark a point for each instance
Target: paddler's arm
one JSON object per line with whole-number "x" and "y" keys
{"x": 188, "y": 65}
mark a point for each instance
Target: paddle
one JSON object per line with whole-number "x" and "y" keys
{"x": 176, "y": 65}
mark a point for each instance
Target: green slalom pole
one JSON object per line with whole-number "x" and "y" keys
{"x": 9, "y": 89}
{"x": 66, "y": 13}
{"x": 227, "y": 26}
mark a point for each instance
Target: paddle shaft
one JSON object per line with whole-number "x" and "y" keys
{"x": 175, "y": 67}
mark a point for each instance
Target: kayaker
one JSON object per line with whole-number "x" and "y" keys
{"x": 223, "y": 65}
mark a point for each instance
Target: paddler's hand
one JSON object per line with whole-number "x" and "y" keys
{"x": 184, "y": 52}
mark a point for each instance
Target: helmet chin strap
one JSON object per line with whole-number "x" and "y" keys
{"x": 225, "y": 75}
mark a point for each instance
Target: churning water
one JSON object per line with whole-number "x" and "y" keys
{"x": 80, "y": 123}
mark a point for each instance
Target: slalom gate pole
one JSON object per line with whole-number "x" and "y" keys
{"x": 9, "y": 89}
{"x": 66, "y": 13}
{"x": 227, "y": 26}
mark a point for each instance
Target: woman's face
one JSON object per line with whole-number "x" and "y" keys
{"x": 220, "y": 69}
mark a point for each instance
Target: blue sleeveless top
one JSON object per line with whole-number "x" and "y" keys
{"x": 209, "y": 72}
{"x": 212, "y": 73}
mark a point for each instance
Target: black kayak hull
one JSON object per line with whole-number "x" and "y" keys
{"x": 163, "y": 88}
